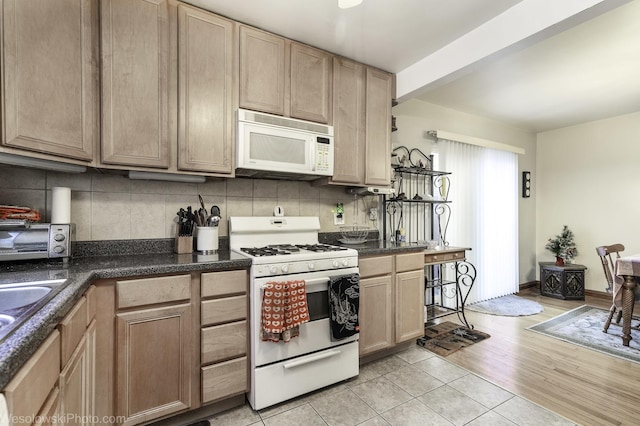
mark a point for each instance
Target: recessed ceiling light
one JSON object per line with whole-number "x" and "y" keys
{"x": 345, "y": 4}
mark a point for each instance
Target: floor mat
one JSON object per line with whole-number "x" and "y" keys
{"x": 448, "y": 337}
{"x": 583, "y": 326}
{"x": 509, "y": 306}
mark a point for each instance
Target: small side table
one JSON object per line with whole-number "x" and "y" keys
{"x": 562, "y": 282}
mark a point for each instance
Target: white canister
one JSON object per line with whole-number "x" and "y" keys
{"x": 207, "y": 239}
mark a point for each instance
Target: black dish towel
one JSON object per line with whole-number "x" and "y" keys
{"x": 344, "y": 302}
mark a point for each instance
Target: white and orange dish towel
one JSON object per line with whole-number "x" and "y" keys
{"x": 284, "y": 308}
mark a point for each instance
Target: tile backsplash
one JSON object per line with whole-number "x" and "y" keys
{"x": 107, "y": 206}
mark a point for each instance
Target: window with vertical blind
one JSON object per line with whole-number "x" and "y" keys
{"x": 484, "y": 193}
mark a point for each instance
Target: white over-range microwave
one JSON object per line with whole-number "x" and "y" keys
{"x": 277, "y": 147}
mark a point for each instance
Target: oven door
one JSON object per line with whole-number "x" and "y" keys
{"x": 314, "y": 335}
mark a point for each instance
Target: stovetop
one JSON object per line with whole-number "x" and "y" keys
{"x": 288, "y": 249}
{"x": 286, "y": 244}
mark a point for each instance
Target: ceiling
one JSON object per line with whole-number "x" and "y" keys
{"x": 529, "y": 63}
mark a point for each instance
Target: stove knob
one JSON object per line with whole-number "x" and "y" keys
{"x": 335, "y": 263}
{"x": 285, "y": 268}
{"x": 345, "y": 262}
{"x": 311, "y": 266}
{"x": 273, "y": 269}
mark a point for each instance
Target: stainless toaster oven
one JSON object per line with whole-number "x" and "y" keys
{"x": 21, "y": 240}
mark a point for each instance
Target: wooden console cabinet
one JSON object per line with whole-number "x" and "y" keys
{"x": 563, "y": 282}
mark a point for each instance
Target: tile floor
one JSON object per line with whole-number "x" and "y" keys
{"x": 413, "y": 387}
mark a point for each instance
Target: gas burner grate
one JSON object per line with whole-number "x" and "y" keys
{"x": 264, "y": 251}
{"x": 319, "y": 248}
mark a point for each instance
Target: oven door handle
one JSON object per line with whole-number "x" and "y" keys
{"x": 311, "y": 358}
{"x": 310, "y": 282}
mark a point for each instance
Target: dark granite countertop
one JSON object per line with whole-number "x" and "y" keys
{"x": 17, "y": 347}
{"x": 371, "y": 248}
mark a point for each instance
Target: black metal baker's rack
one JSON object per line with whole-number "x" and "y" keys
{"x": 419, "y": 211}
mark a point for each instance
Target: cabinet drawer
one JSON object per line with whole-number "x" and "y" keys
{"x": 224, "y": 283}
{"x": 217, "y": 311}
{"x": 72, "y": 328}
{"x": 27, "y": 392}
{"x": 371, "y": 266}
{"x": 431, "y": 258}
{"x": 223, "y": 342}
{"x": 46, "y": 416}
{"x": 148, "y": 291}
{"x": 224, "y": 379}
{"x": 409, "y": 261}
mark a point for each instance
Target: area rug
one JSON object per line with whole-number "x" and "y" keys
{"x": 583, "y": 326}
{"x": 508, "y": 306}
{"x": 448, "y": 337}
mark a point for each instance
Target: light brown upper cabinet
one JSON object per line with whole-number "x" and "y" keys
{"x": 282, "y": 77}
{"x": 348, "y": 121}
{"x": 361, "y": 124}
{"x": 311, "y": 72}
{"x": 262, "y": 70}
{"x": 206, "y": 54}
{"x": 135, "y": 119}
{"x": 379, "y": 93}
{"x": 50, "y": 77}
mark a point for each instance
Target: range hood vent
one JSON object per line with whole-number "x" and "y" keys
{"x": 371, "y": 190}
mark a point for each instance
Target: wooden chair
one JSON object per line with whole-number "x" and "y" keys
{"x": 608, "y": 256}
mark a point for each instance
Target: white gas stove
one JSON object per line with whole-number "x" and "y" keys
{"x": 286, "y": 249}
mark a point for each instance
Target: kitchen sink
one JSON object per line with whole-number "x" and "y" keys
{"x": 20, "y": 300}
{"x": 12, "y": 298}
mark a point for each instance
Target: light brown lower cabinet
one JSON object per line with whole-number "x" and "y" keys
{"x": 57, "y": 384}
{"x": 154, "y": 348}
{"x": 391, "y": 300}
{"x": 376, "y": 314}
{"x": 27, "y": 392}
{"x": 223, "y": 346}
{"x": 77, "y": 382}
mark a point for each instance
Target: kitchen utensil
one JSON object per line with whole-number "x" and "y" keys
{"x": 202, "y": 205}
{"x": 214, "y": 219}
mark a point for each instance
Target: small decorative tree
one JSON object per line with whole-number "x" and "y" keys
{"x": 563, "y": 246}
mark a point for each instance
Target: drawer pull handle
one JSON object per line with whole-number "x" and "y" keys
{"x": 310, "y": 359}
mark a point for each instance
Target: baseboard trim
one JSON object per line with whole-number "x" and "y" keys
{"x": 591, "y": 293}
{"x": 529, "y": 284}
{"x": 598, "y": 294}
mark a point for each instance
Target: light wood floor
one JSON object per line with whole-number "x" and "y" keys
{"x": 583, "y": 385}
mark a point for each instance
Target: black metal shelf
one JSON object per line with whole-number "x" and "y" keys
{"x": 419, "y": 171}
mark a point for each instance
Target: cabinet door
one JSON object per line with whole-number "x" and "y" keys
{"x": 135, "y": 116}
{"x": 262, "y": 71}
{"x": 409, "y": 305}
{"x": 205, "y": 91}
{"x": 311, "y": 89}
{"x": 379, "y": 92}
{"x": 153, "y": 362}
{"x": 375, "y": 316}
{"x": 77, "y": 382}
{"x": 50, "y": 76}
{"x": 348, "y": 121}
{"x": 27, "y": 392}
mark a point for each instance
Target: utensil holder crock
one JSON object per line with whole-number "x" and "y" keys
{"x": 207, "y": 239}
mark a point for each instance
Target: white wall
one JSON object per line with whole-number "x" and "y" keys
{"x": 414, "y": 117}
{"x": 588, "y": 179}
